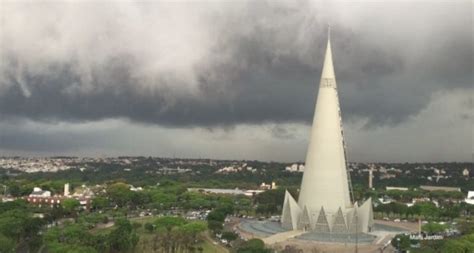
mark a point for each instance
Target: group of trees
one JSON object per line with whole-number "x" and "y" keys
{"x": 252, "y": 246}
{"x": 172, "y": 234}
{"x": 76, "y": 237}
{"x": 427, "y": 210}
{"x": 22, "y": 187}
{"x": 407, "y": 196}
{"x": 166, "y": 196}
{"x": 271, "y": 201}
{"x": 216, "y": 218}
{"x": 464, "y": 244}
{"x": 19, "y": 229}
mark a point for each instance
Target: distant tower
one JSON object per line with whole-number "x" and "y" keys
{"x": 66, "y": 189}
{"x": 371, "y": 176}
{"x": 324, "y": 203}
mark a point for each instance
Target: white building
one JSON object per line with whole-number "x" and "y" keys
{"x": 295, "y": 168}
{"x": 465, "y": 172}
{"x": 66, "y": 190}
{"x": 38, "y": 192}
{"x": 470, "y": 198}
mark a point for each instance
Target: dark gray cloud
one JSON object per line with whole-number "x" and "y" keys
{"x": 20, "y": 135}
{"x": 229, "y": 63}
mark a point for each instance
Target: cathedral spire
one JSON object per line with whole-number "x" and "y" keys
{"x": 325, "y": 184}
{"x": 328, "y": 77}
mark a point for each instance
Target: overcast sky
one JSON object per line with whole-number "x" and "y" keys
{"x": 234, "y": 79}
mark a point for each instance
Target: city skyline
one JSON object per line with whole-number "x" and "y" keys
{"x": 234, "y": 80}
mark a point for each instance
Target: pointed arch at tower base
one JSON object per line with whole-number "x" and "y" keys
{"x": 291, "y": 212}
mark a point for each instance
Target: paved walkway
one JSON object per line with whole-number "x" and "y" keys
{"x": 280, "y": 237}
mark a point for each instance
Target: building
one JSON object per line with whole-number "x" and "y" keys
{"x": 325, "y": 204}
{"x": 470, "y": 198}
{"x": 265, "y": 186}
{"x": 83, "y": 192}
{"x": 295, "y": 168}
{"x": 39, "y": 193}
{"x": 396, "y": 188}
{"x": 371, "y": 177}
{"x": 465, "y": 172}
{"x": 44, "y": 201}
{"x": 440, "y": 188}
{"x": 235, "y": 191}
{"x": 66, "y": 190}
{"x": 43, "y": 198}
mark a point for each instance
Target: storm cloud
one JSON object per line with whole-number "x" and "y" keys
{"x": 212, "y": 64}
{"x": 218, "y": 65}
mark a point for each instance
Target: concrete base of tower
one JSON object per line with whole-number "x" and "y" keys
{"x": 276, "y": 236}
{"x": 272, "y": 232}
{"x": 344, "y": 220}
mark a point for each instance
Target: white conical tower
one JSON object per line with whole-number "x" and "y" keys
{"x": 325, "y": 190}
{"x": 325, "y": 182}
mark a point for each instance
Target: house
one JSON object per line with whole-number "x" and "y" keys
{"x": 470, "y": 198}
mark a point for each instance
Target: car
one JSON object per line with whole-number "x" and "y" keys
{"x": 396, "y": 220}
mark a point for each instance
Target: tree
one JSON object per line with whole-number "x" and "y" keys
{"x": 18, "y": 225}
{"x": 70, "y": 206}
{"x": 463, "y": 245}
{"x": 122, "y": 238}
{"x": 401, "y": 242}
{"x": 229, "y": 236}
{"x": 149, "y": 227}
{"x": 72, "y": 238}
{"x": 7, "y": 245}
{"x": 270, "y": 201}
{"x": 194, "y": 228}
{"x": 215, "y": 225}
{"x": 434, "y": 227}
{"x": 189, "y": 233}
{"x": 243, "y": 204}
{"x": 61, "y": 247}
{"x": 253, "y": 246}
{"x": 138, "y": 199}
{"x": 466, "y": 227}
{"x": 169, "y": 222}
{"x": 426, "y": 209}
{"x": 216, "y": 215}
{"x": 100, "y": 202}
{"x": 119, "y": 193}
{"x": 163, "y": 200}
{"x": 215, "y": 220}
{"x": 14, "y": 190}
{"x": 166, "y": 232}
